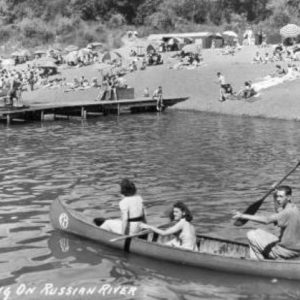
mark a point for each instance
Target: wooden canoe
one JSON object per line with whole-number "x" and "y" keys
{"x": 214, "y": 253}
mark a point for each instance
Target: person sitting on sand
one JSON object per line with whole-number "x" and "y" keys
{"x": 247, "y": 91}
{"x": 95, "y": 82}
{"x": 144, "y": 64}
{"x": 257, "y": 58}
{"x": 76, "y": 83}
{"x": 292, "y": 72}
{"x": 266, "y": 59}
{"x": 146, "y": 92}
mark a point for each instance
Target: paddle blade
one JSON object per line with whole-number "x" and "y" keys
{"x": 251, "y": 210}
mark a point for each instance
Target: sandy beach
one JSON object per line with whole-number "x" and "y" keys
{"x": 199, "y": 84}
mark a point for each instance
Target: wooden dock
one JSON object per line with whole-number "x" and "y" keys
{"x": 84, "y": 109}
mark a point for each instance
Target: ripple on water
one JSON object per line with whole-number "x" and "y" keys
{"x": 213, "y": 163}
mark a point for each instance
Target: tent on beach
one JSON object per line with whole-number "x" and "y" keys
{"x": 204, "y": 38}
{"x": 21, "y": 56}
{"x": 150, "y": 48}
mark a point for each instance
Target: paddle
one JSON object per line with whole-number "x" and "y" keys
{"x": 253, "y": 208}
{"x": 143, "y": 232}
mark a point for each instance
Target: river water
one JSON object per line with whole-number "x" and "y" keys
{"x": 215, "y": 164}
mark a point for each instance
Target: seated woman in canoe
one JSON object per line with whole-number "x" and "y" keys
{"x": 183, "y": 229}
{"x": 132, "y": 211}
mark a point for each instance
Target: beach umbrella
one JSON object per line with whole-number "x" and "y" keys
{"x": 230, "y": 33}
{"x": 192, "y": 48}
{"x": 290, "y": 30}
{"x": 111, "y": 55}
{"x": 71, "y": 48}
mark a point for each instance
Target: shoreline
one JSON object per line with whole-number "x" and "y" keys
{"x": 276, "y": 102}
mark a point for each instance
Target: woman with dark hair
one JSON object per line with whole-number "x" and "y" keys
{"x": 184, "y": 231}
{"x": 132, "y": 211}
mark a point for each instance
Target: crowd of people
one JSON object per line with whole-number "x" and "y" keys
{"x": 187, "y": 59}
{"x": 14, "y": 81}
{"x": 286, "y": 69}
{"x": 279, "y": 53}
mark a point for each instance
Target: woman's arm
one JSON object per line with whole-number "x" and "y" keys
{"x": 124, "y": 218}
{"x": 177, "y": 227}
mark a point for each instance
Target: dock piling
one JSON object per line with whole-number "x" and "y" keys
{"x": 83, "y": 113}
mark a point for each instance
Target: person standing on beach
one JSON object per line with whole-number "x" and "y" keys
{"x": 225, "y": 88}
{"x": 14, "y": 91}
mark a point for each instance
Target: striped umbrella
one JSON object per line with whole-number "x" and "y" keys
{"x": 290, "y": 30}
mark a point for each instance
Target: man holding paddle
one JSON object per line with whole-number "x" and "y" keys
{"x": 264, "y": 245}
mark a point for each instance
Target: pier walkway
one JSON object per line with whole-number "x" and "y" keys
{"x": 83, "y": 109}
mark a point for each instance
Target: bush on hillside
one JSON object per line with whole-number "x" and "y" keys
{"x": 35, "y": 32}
{"x": 6, "y": 32}
{"x": 160, "y": 21}
{"x": 64, "y": 26}
{"x": 116, "y": 21}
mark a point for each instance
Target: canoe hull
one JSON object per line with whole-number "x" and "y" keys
{"x": 214, "y": 254}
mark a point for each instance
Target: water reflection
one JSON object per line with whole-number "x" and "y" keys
{"x": 157, "y": 278}
{"x": 213, "y": 163}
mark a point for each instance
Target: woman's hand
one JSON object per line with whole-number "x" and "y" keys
{"x": 145, "y": 226}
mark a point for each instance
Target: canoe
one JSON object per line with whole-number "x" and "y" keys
{"x": 214, "y": 253}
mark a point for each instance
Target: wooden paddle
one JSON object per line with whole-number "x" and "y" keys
{"x": 143, "y": 232}
{"x": 253, "y": 208}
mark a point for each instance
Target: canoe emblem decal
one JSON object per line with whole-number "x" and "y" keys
{"x": 63, "y": 221}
